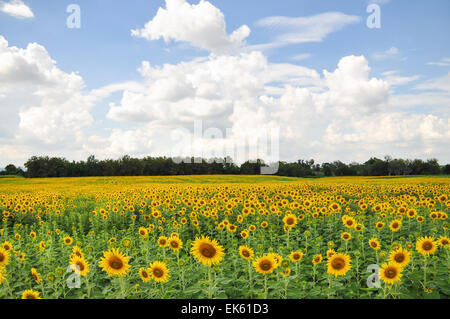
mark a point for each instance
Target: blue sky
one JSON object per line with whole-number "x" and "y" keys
{"x": 419, "y": 31}
{"x": 409, "y": 52}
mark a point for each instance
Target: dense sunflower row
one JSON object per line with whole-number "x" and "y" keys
{"x": 241, "y": 238}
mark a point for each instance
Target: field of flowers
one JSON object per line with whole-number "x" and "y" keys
{"x": 224, "y": 237}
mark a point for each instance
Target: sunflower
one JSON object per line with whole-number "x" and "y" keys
{"x": 162, "y": 241}
{"x": 126, "y": 242}
{"x": 143, "y": 231}
{"x": 22, "y": 256}
{"x": 390, "y": 273}
{"x": 278, "y": 258}
{"x": 426, "y": 245}
{"x": 286, "y": 272}
{"x": 7, "y": 246}
{"x": 346, "y": 236}
{"x": 68, "y": 240}
{"x": 296, "y": 256}
{"x": 330, "y": 253}
{"x": 411, "y": 213}
{"x": 159, "y": 272}
{"x": 79, "y": 265}
{"x": 175, "y": 243}
{"x": 206, "y": 251}
{"x": 395, "y": 225}
{"x": 144, "y": 274}
{"x": 114, "y": 263}
{"x": 349, "y": 222}
{"x": 265, "y": 264}
{"x": 400, "y": 256}
{"x": 244, "y": 234}
{"x": 443, "y": 241}
{"x": 290, "y": 220}
{"x": 31, "y": 294}
{"x": 36, "y": 276}
{"x": 374, "y": 244}
{"x": 339, "y": 264}
{"x": 379, "y": 225}
{"x": 2, "y": 275}
{"x": 246, "y": 252}
{"x": 4, "y": 257}
{"x": 77, "y": 251}
{"x": 317, "y": 259}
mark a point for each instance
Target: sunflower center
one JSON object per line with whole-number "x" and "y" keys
{"x": 116, "y": 263}
{"x": 265, "y": 265}
{"x": 245, "y": 253}
{"x": 174, "y": 244}
{"x": 208, "y": 251}
{"x": 390, "y": 273}
{"x": 290, "y": 221}
{"x": 81, "y": 265}
{"x": 338, "y": 263}
{"x": 30, "y": 296}
{"x": 427, "y": 246}
{"x": 2, "y": 257}
{"x": 399, "y": 258}
{"x": 158, "y": 273}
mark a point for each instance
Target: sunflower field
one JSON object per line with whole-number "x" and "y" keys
{"x": 223, "y": 237}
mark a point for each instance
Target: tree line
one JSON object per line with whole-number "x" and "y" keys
{"x": 44, "y": 166}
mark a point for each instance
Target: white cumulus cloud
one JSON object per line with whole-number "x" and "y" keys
{"x": 41, "y": 102}
{"x": 201, "y": 25}
{"x": 16, "y": 8}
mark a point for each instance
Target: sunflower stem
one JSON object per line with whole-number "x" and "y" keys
{"x": 88, "y": 288}
{"x": 9, "y": 288}
{"x": 425, "y": 272}
{"x": 265, "y": 287}
{"x": 330, "y": 281}
{"x": 250, "y": 278}
{"x": 122, "y": 288}
{"x": 210, "y": 290}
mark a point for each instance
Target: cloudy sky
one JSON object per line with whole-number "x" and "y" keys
{"x": 138, "y": 76}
